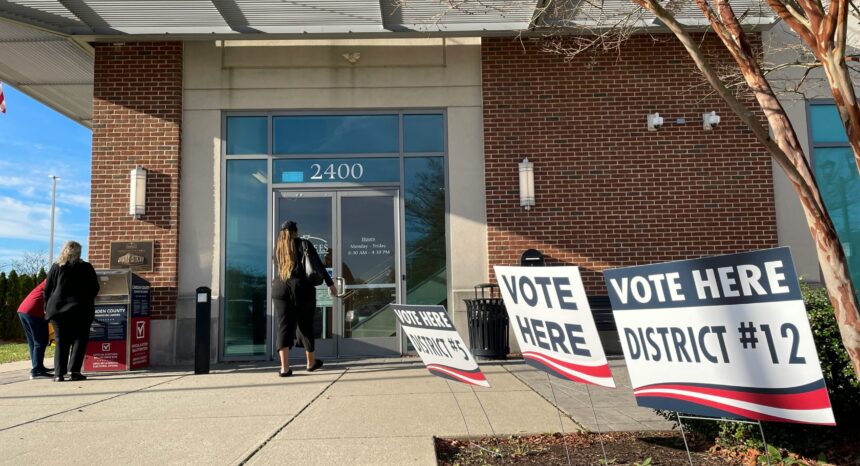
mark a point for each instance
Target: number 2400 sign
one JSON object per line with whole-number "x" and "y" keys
{"x": 342, "y": 171}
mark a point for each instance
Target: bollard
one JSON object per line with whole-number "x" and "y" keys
{"x": 203, "y": 320}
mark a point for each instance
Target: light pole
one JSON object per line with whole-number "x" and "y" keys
{"x": 54, "y": 179}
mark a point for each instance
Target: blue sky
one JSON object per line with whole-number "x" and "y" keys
{"x": 36, "y": 142}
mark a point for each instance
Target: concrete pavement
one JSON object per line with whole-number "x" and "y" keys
{"x": 377, "y": 411}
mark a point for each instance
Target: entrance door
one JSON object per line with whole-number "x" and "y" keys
{"x": 356, "y": 236}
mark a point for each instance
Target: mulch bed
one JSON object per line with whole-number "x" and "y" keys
{"x": 632, "y": 448}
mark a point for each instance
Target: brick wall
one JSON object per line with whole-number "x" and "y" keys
{"x": 609, "y": 192}
{"x": 137, "y": 112}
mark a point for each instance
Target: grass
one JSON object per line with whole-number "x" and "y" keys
{"x": 11, "y": 352}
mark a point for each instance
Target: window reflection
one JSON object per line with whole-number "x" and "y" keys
{"x": 336, "y": 134}
{"x": 423, "y": 133}
{"x": 247, "y": 135}
{"x": 426, "y": 272}
{"x": 838, "y": 181}
{"x": 245, "y": 259}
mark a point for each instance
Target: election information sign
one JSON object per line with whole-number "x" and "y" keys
{"x": 434, "y": 337}
{"x": 723, "y": 336}
{"x": 552, "y": 321}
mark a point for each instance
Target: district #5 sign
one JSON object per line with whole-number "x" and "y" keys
{"x": 434, "y": 337}
{"x": 723, "y": 336}
{"x": 552, "y": 321}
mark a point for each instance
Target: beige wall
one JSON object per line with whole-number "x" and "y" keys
{"x": 780, "y": 47}
{"x": 314, "y": 75}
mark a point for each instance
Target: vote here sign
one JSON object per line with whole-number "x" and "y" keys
{"x": 723, "y": 336}
{"x": 434, "y": 337}
{"x": 552, "y": 321}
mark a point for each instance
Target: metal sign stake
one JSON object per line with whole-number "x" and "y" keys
{"x": 686, "y": 446}
{"x": 560, "y": 422}
{"x": 597, "y": 425}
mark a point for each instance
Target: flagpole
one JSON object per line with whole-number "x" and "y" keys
{"x": 54, "y": 179}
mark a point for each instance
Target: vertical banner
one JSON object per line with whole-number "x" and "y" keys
{"x": 552, "y": 321}
{"x": 434, "y": 337}
{"x": 724, "y": 336}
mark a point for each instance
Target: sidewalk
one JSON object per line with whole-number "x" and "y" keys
{"x": 373, "y": 411}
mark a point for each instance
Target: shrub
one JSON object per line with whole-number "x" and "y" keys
{"x": 13, "y": 289}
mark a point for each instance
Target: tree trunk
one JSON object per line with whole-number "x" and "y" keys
{"x": 789, "y": 155}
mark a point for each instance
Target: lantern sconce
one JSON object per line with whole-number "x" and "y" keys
{"x": 527, "y": 184}
{"x": 137, "y": 198}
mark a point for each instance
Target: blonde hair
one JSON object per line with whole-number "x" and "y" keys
{"x": 285, "y": 251}
{"x": 70, "y": 254}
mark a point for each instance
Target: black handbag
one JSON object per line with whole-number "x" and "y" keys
{"x": 313, "y": 269}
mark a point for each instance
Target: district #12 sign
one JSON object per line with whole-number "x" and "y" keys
{"x": 724, "y": 336}
{"x": 434, "y": 337}
{"x": 552, "y": 321}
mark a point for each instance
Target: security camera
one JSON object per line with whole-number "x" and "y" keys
{"x": 655, "y": 121}
{"x": 710, "y": 120}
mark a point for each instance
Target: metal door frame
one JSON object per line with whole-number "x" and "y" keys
{"x": 334, "y": 347}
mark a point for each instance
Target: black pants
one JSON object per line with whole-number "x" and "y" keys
{"x": 72, "y": 333}
{"x": 296, "y": 310}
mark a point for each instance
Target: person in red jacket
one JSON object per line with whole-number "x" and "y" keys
{"x": 32, "y": 315}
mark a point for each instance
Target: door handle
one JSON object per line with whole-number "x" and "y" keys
{"x": 340, "y": 284}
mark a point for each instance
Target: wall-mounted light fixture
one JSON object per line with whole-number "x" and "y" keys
{"x": 137, "y": 198}
{"x": 710, "y": 120}
{"x": 655, "y": 121}
{"x": 527, "y": 184}
{"x": 351, "y": 57}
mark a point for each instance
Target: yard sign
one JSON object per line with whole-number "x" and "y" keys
{"x": 552, "y": 321}
{"x": 434, "y": 337}
{"x": 723, "y": 336}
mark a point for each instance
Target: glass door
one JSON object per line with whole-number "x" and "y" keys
{"x": 314, "y": 213}
{"x": 369, "y": 248}
{"x": 356, "y": 236}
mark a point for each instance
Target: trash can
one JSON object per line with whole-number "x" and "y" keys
{"x": 119, "y": 334}
{"x": 488, "y": 323}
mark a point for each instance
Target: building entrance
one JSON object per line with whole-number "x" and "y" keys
{"x": 356, "y": 235}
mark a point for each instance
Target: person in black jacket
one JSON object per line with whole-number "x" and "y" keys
{"x": 70, "y": 292}
{"x": 293, "y": 297}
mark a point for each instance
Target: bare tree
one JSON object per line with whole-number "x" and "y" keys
{"x": 30, "y": 263}
{"x": 586, "y": 25}
{"x": 785, "y": 149}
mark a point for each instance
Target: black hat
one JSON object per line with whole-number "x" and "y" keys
{"x": 289, "y": 225}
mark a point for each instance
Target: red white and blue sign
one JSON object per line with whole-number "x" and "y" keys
{"x": 434, "y": 337}
{"x": 724, "y": 336}
{"x": 552, "y": 321}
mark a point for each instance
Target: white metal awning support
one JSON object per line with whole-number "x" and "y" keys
{"x": 44, "y": 47}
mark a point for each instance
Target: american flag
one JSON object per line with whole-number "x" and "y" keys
{"x": 2, "y": 100}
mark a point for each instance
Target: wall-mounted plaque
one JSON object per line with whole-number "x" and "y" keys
{"x": 134, "y": 255}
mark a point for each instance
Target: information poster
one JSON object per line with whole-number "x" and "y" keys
{"x": 106, "y": 350}
{"x": 434, "y": 337}
{"x": 552, "y": 321}
{"x": 725, "y": 336}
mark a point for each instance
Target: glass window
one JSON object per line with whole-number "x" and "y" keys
{"x": 426, "y": 271}
{"x": 826, "y": 125}
{"x": 245, "y": 259}
{"x": 336, "y": 170}
{"x": 247, "y": 135}
{"x": 838, "y": 181}
{"x": 336, "y": 134}
{"x": 423, "y": 133}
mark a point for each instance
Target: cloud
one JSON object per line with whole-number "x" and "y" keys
{"x": 32, "y": 221}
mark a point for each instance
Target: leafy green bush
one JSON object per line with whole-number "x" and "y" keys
{"x": 842, "y": 387}
{"x": 13, "y": 289}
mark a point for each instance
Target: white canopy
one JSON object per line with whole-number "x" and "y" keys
{"x": 45, "y": 51}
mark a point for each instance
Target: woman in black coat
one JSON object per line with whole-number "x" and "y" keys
{"x": 294, "y": 297}
{"x": 70, "y": 293}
